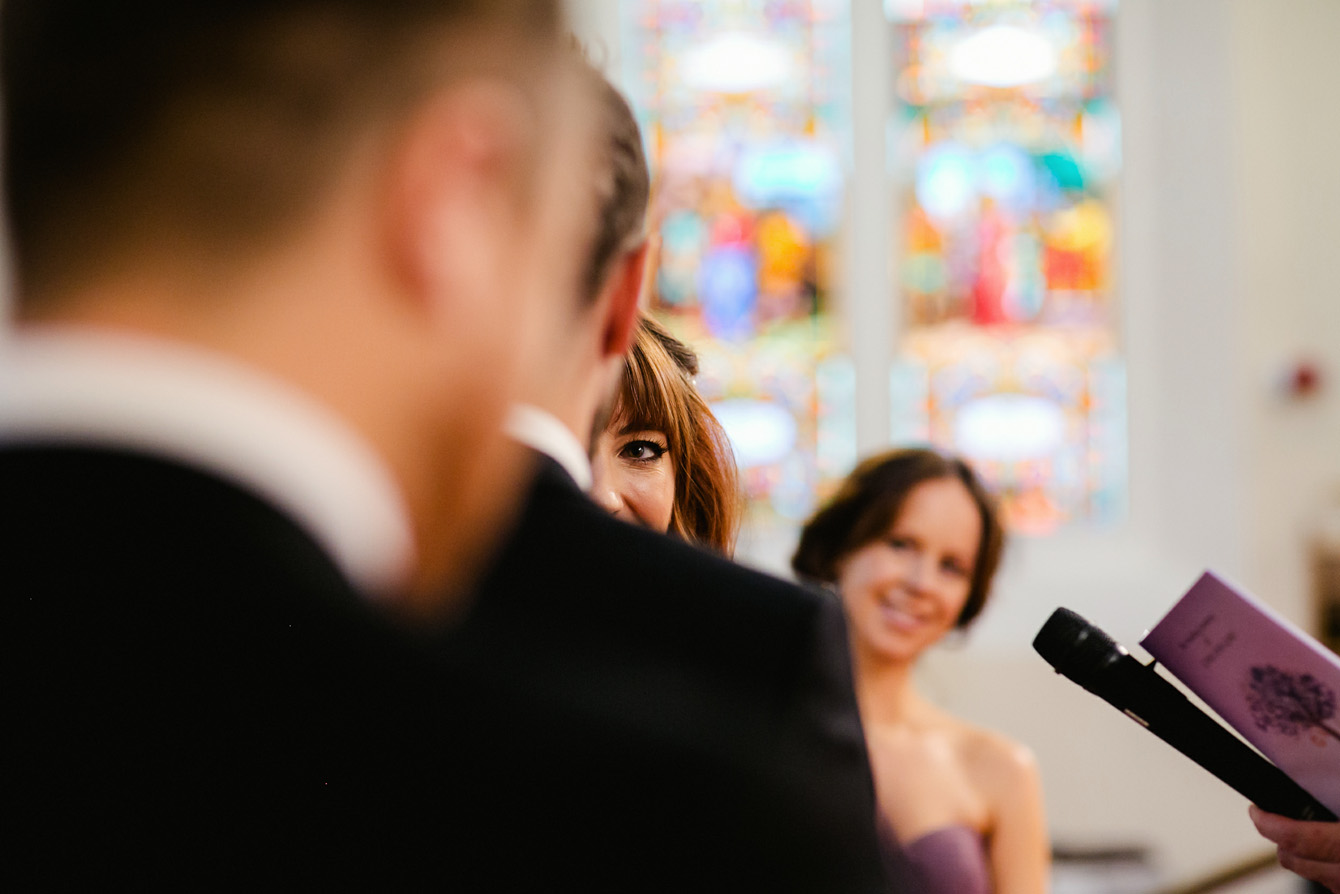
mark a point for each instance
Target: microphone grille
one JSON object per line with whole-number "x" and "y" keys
{"x": 1072, "y": 645}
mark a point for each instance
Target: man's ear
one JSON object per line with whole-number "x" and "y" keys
{"x": 625, "y": 300}
{"x": 456, "y": 171}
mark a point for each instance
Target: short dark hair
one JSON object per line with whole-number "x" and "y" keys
{"x": 623, "y": 182}
{"x": 224, "y": 119}
{"x": 867, "y": 505}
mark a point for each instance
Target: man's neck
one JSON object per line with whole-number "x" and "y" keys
{"x": 573, "y": 399}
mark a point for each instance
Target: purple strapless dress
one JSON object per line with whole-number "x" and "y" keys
{"x": 950, "y": 860}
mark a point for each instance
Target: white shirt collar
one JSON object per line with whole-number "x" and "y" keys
{"x": 69, "y": 385}
{"x": 542, "y": 431}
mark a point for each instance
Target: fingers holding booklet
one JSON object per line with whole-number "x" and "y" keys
{"x": 1266, "y": 680}
{"x": 1310, "y": 849}
{"x": 1277, "y": 686}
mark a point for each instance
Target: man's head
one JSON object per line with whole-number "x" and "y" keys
{"x": 369, "y": 199}
{"x": 586, "y": 351}
{"x": 623, "y": 185}
{"x": 216, "y": 125}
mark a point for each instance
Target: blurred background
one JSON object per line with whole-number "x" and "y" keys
{"x": 1089, "y": 244}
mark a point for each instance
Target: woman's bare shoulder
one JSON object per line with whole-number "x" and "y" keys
{"x": 999, "y": 763}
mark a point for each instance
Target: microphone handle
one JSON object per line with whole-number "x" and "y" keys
{"x": 1167, "y": 713}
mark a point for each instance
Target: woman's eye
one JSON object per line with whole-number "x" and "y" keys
{"x": 956, "y": 569}
{"x": 899, "y": 542}
{"x": 642, "y": 451}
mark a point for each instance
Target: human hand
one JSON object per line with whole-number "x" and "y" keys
{"x": 1309, "y": 849}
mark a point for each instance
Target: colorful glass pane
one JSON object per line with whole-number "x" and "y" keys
{"x": 1009, "y": 142}
{"x": 743, "y": 105}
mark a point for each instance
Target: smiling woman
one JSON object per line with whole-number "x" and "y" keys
{"x": 911, "y": 541}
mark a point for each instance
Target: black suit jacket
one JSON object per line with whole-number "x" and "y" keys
{"x": 193, "y": 696}
{"x": 694, "y": 725}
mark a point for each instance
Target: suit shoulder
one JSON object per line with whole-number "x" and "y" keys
{"x": 567, "y": 519}
{"x": 572, "y": 564}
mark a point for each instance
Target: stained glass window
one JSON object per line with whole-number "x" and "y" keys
{"x": 1005, "y": 146}
{"x": 744, "y": 107}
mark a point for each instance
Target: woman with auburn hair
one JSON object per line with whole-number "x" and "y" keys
{"x": 663, "y": 460}
{"x": 910, "y": 542}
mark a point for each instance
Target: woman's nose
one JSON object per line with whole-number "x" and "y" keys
{"x": 607, "y": 498}
{"x": 920, "y": 573}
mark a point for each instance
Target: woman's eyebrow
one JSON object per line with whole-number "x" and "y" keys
{"x": 634, "y": 427}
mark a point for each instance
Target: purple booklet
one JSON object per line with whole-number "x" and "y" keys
{"x": 1270, "y": 681}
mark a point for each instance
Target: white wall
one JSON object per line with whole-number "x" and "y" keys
{"x": 1288, "y": 250}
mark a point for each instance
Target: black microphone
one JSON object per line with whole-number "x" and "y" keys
{"x": 1091, "y": 658}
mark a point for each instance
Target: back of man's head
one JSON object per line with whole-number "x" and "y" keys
{"x": 623, "y": 182}
{"x": 214, "y": 124}
{"x": 370, "y": 200}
